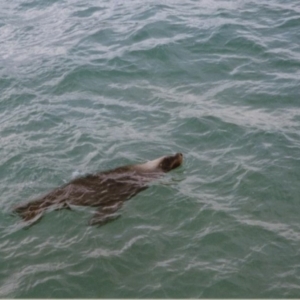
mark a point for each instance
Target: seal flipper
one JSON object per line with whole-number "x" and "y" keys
{"x": 35, "y": 209}
{"x": 31, "y": 210}
{"x": 105, "y": 214}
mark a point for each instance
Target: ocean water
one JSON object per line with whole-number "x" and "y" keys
{"x": 87, "y": 86}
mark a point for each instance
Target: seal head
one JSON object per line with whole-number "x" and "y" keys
{"x": 163, "y": 164}
{"x": 169, "y": 163}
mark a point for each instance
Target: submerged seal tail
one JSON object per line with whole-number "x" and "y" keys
{"x": 106, "y": 190}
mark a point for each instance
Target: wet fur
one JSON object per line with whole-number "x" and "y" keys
{"x": 107, "y": 190}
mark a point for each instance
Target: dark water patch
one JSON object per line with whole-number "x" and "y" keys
{"x": 88, "y": 12}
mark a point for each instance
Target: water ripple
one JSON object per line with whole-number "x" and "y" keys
{"x": 88, "y": 87}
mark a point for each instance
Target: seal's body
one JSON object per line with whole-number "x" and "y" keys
{"x": 107, "y": 190}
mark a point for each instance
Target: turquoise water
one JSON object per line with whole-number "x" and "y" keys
{"x": 88, "y": 86}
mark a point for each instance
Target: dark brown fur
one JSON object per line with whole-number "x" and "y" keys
{"x": 107, "y": 191}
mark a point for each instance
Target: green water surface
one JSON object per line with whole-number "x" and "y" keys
{"x": 88, "y": 86}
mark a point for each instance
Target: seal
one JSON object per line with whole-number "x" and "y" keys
{"x": 105, "y": 190}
